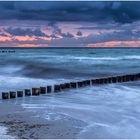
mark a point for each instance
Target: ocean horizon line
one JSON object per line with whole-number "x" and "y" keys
{"x": 69, "y": 47}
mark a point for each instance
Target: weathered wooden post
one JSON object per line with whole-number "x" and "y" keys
{"x": 123, "y": 78}
{"x": 102, "y": 81}
{"x": 19, "y": 93}
{"x": 49, "y": 89}
{"x": 84, "y": 83}
{"x": 27, "y": 92}
{"x": 73, "y": 85}
{"x": 87, "y": 82}
{"x": 12, "y": 94}
{"x": 105, "y": 80}
{"x": 119, "y": 78}
{"x": 97, "y": 81}
{"x": 5, "y": 95}
{"x": 93, "y": 81}
{"x": 127, "y": 78}
{"x": 131, "y": 77}
{"x": 114, "y": 80}
{"x": 67, "y": 85}
{"x": 35, "y": 91}
{"x": 43, "y": 90}
{"x": 79, "y": 84}
{"x": 62, "y": 86}
{"x": 109, "y": 80}
{"x": 138, "y": 75}
{"x": 57, "y": 88}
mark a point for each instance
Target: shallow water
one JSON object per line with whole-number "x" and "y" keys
{"x": 110, "y": 111}
{"x": 107, "y": 110}
{"x": 3, "y": 133}
{"x": 31, "y": 67}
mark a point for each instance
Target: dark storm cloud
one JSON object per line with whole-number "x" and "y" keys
{"x": 79, "y": 33}
{"x": 24, "y": 32}
{"x": 126, "y": 35}
{"x": 120, "y": 12}
{"x": 58, "y": 31}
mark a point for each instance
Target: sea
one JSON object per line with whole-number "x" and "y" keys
{"x": 110, "y": 111}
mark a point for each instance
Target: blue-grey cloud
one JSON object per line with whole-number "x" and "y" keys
{"x": 58, "y": 31}
{"x": 92, "y": 11}
{"x": 79, "y": 33}
{"x": 126, "y": 35}
{"x": 24, "y": 32}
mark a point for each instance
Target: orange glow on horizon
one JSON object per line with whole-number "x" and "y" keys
{"x": 5, "y": 38}
{"x": 116, "y": 44}
{"x": 32, "y": 45}
{"x": 25, "y": 38}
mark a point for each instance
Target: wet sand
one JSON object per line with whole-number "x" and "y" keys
{"x": 23, "y": 124}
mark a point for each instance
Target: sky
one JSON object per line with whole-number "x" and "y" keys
{"x": 69, "y": 24}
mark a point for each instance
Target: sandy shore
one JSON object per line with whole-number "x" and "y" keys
{"x": 23, "y": 124}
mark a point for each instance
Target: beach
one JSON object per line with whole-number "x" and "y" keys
{"x": 98, "y": 111}
{"x": 23, "y": 124}
{"x": 72, "y": 114}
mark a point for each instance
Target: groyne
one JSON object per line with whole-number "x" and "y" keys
{"x": 36, "y": 91}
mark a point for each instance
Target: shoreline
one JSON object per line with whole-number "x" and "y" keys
{"x": 23, "y": 124}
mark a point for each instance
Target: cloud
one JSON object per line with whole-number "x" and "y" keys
{"x": 89, "y": 11}
{"x": 58, "y": 31}
{"x": 116, "y": 36}
{"x": 79, "y": 33}
{"x": 116, "y": 44}
{"x": 24, "y": 32}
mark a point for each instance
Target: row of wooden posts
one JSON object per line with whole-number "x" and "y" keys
{"x": 71, "y": 85}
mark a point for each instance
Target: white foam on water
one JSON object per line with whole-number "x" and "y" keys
{"x": 10, "y": 83}
{"x": 110, "y": 111}
{"x": 4, "y": 135}
{"x": 69, "y": 57}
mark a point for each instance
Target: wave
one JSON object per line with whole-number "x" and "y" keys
{"x": 71, "y": 57}
{"x": 137, "y": 57}
{"x": 109, "y": 107}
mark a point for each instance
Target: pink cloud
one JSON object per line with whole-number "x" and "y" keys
{"x": 116, "y": 44}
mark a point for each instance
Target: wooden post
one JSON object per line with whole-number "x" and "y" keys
{"x": 97, "y": 81}
{"x": 5, "y": 95}
{"x": 105, "y": 80}
{"x": 88, "y": 82}
{"x": 123, "y": 78}
{"x": 79, "y": 84}
{"x": 73, "y": 84}
{"x": 119, "y": 78}
{"x": 114, "y": 80}
{"x": 67, "y": 85}
{"x": 84, "y": 83}
{"x": 19, "y": 93}
{"x": 132, "y": 78}
{"x": 35, "y": 91}
{"x": 93, "y": 81}
{"x": 43, "y": 90}
{"x": 101, "y": 81}
{"x": 49, "y": 89}
{"x": 12, "y": 94}
{"x": 138, "y": 75}
{"x": 109, "y": 80}
{"x": 127, "y": 78}
{"x": 57, "y": 88}
{"x": 27, "y": 92}
{"x": 62, "y": 86}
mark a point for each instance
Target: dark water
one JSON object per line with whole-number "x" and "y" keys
{"x": 28, "y": 67}
{"x": 69, "y": 63}
{"x": 110, "y": 111}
